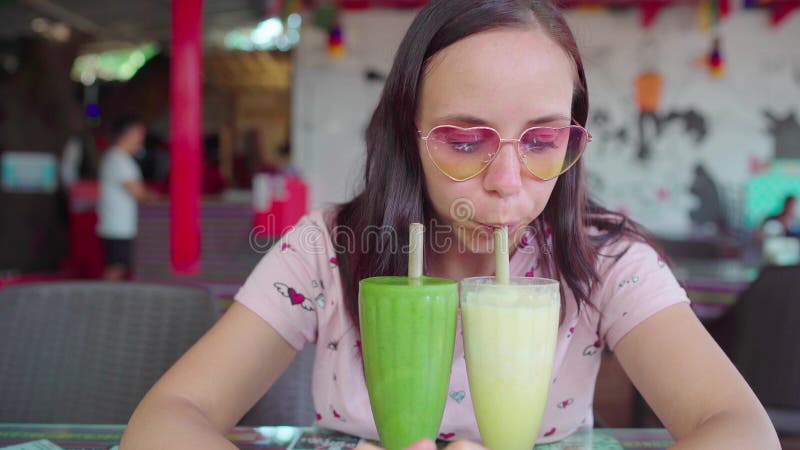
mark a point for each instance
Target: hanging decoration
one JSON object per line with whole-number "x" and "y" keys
{"x": 648, "y": 91}
{"x": 710, "y": 13}
{"x": 290, "y": 7}
{"x": 648, "y": 98}
{"x": 327, "y": 17}
{"x": 780, "y": 9}
{"x": 365, "y": 4}
{"x": 716, "y": 63}
{"x": 648, "y": 9}
{"x": 336, "y": 48}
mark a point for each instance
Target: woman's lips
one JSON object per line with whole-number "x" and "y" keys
{"x": 512, "y": 226}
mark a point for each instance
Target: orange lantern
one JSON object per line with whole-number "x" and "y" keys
{"x": 648, "y": 91}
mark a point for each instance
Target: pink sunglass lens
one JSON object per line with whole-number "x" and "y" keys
{"x": 464, "y": 141}
{"x": 462, "y": 152}
{"x": 550, "y": 151}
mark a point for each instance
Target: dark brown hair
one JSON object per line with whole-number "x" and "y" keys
{"x": 393, "y": 193}
{"x": 122, "y": 124}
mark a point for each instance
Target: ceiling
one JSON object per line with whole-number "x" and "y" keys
{"x": 123, "y": 23}
{"x": 118, "y": 23}
{"x": 247, "y": 71}
{"x": 115, "y": 23}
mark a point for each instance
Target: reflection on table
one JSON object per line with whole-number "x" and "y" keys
{"x": 90, "y": 437}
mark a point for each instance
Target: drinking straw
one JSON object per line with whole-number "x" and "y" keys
{"x": 416, "y": 241}
{"x": 501, "y": 255}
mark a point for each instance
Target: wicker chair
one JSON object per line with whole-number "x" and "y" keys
{"x": 289, "y": 400}
{"x": 87, "y": 352}
{"x": 766, "y": 343}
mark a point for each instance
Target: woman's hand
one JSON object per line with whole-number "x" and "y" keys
{"x": 429, "y": 445}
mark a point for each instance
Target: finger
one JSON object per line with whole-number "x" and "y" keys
{"x": 464, "y": 445}
{"x": 424, "y": 444}
{"x": 367, "y": 447}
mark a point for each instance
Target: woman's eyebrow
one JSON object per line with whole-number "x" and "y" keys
{"x": 548, "y": 119}
{"x": 477, "y": 121}
{"x": 463, "y": 118}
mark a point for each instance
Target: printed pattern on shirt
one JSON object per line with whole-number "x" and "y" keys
{"x": 298, "y": 299}
{"x": 310, "y": 281}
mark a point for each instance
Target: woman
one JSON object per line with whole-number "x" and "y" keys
{"x": 482, "y": 94}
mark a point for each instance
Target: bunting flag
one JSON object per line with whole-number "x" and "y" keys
{"x": 705, "y": 14}
{"x": 649, "y": 10}
{"x": 326, "y": 16}
{"x": 290, "y": 7}
{"x": 712, "y": 11}
{"x": 780, "y": 9}
{"x": 364, "y": 4}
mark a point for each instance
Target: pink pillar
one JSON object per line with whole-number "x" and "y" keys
{"x": 186, "y": 68}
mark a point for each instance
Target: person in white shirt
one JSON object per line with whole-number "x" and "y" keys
{"x": 70, "y": 161}
{"x": 121, "y": 187}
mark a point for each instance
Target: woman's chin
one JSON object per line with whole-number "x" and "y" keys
{"x": 478, "y": 240}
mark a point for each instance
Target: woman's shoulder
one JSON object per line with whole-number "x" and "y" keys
{"x": 634, "y": 281}
{"x": 306, "y": 240}
{"x": 621, "y": 242}
{"x": 309, "y": 242}
{"x": 314, "y": 227}
{"x": 323, "y": 217}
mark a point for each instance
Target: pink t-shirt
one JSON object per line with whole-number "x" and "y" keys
{"x": 296, "y": 288}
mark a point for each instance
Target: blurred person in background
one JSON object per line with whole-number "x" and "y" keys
{"x": 782, "y": 224}
{"x": 787, "y": 218}
{"x": 121, "y": 187}
{"x": 213, "y": 181}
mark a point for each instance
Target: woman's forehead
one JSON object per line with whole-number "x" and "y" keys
{"x": 507, "y": 71}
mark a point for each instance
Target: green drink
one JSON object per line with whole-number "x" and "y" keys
{"x": 408, "y": 328}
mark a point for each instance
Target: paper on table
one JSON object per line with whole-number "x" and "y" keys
{"x": 320, "y": 438}
{"x": 41, "y": 444}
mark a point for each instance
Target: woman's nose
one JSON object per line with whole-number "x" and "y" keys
{"x": 503, "y": 175}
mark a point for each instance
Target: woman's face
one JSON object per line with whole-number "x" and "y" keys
{"x": 509, "y": 80}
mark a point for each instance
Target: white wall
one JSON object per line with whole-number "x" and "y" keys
{"x": 762, "y": 74}
{"x": 332, "y": 103}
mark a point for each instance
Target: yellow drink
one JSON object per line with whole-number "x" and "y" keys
{"x": 509, "y": 339}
